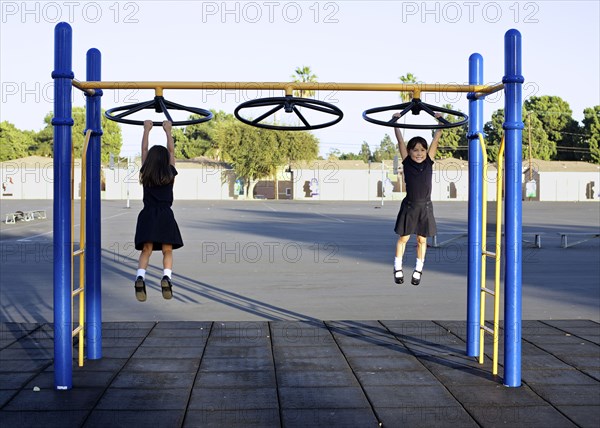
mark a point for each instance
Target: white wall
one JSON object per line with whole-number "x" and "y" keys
{"x": 567, "y": 186}
{"x": 190, "y": 184}
{"x": 208, "y": 183}
{"x": 29, "y": 182}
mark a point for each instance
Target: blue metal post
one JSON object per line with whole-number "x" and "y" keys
{"x": 475, "y": 207}
{"x": 513, "y": 126}
{"x": 62, "y": 122}
{"x": 93, "y": 295}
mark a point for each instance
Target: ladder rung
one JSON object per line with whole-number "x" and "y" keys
{"x": 489, "y": 254}
{"x": 487, "y": 329}
{"x": 77, "y": 330}
{"x": 77, "y": 291}
{"x": 79, "y": 252}
{"x": 488, "y": 291}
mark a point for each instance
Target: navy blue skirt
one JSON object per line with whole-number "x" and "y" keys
{"x": 415, "y": 218}
{"x": 157, "y": 224}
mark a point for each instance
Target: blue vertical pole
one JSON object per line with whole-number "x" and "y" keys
{"x": 62, "y": 122}
{"x": 475, "y": 207}
{"x": 513, "y": 126}
{"x": 93, "y": 297}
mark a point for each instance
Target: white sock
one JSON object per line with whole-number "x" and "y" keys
{"x": 398, "y": 263}
{"x": 167, "y": 272}
{"x": 419, "y": 265}
{"x": 142, "y": 273}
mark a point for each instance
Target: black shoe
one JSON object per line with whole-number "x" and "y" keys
{"x": 397, "y": 279}
{"x": 166, "y": 287}
{"x": 416, "y": 277}
{"x": 140, "y": 289}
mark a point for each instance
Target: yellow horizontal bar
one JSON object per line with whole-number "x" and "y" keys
{"x": 286, "y": 86}
{"x": 488, "y": 291}
{"x": 77, "y": 84}
{"x": 492, "y": 89}
{"x": 77, "y": 330}
{"x": 489, "y": 254}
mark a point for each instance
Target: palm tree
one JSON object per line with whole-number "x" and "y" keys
{"x": 304, "y": 74}
{"x": 408, "y": 78}
{"x": 407, "y": 96}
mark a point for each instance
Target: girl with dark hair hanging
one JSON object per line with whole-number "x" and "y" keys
{"x": 156, "y": 228}
{"x": 416, "y": 211}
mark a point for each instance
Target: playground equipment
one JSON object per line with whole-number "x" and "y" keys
{"x": 160, "y": 105}
{"x": 416, "y": 106}
{"x": 289, "y": 104}
{"x": 64, "y": 82}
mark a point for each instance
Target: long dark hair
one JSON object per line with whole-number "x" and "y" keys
{"x": 156, "y": 170}
{"x": 416, "y": 140}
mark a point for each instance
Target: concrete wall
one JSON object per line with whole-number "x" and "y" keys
{"x": 569, "y": 186}
{"x": 190, "y": 184}
{"x": 334, "y": 184}
{"x": 29, "y": 181}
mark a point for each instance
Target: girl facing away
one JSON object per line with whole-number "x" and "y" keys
{"x": 156, "y": 228}
{"x": 416, "y": 211}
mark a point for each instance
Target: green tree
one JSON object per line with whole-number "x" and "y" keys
{"x": 296, "y": 146}
{"x": 256, "y": 153}
{"x": 304, "y": 74}
{"x": 559, "y": 125}
{"x": 387, "y": 150}
{"x": 407, "y": 96}
{"x": 44, "y": 140}
{"x": 200, "y": 139}
{"x": 350, "y": 156}
{"x": 539, "y": 146}
{"x": 251, "y": 151}
{"x": 365, "y": 152}
{"x": 334, "y": 154}
{"x": 14, "y": 143}
{"x": 453, "y": 142}
{"x": 181, "y": 143}
{"x": 111, "y": 136}
{"x": 407, "y": 78}
{"x": 591, "y": 128}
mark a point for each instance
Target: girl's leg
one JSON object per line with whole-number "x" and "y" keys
{"x": 400, "y": 248}
{"x": 140, "y": 286}
{"x": 165, "y": 282}
{"x": 421, "y": 250}
{"x": 145, "y": 256}
{"x": 421, "y": 247}
{"x": 167, "y": 250}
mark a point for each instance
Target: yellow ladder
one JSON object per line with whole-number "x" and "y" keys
{"x": 496, "y": 255}
{"x": 80, "y": 290}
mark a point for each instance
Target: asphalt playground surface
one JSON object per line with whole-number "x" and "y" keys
{"x": 285, "y": 314}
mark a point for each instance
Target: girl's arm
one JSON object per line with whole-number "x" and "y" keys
{"x": 170, "y": 142}
{"x": 147, "y": 129}
{"x": 436, "y": 139}
{"x": 401, "y": 143}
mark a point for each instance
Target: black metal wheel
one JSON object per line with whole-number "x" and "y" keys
{"x": 290, "y": 105}
{"x": 416, "y": 106}
{"x": 159, "y": 105}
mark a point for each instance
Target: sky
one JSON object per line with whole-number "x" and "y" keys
{"x": 265, "y": 41}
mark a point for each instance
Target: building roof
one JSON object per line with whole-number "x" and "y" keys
{"x": 560, "y": 166}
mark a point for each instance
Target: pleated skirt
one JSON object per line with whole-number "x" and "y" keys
{"x": 415, "y": 218}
